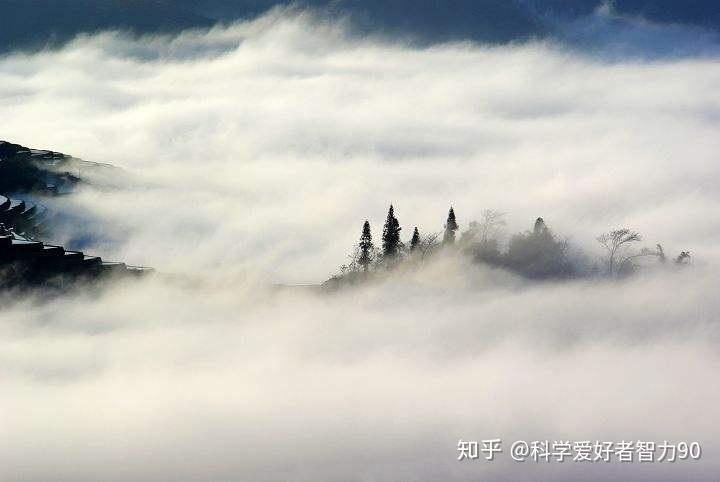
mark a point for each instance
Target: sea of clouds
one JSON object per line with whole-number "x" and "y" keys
{"x": 256, "y": 151}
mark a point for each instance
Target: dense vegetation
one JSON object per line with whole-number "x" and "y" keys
{"x": 537, "y": 253}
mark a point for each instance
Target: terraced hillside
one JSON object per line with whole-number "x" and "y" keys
{"x": 26, "y": 177}
{"x": 25, "y": 170}
{"x": 26, "y": 263}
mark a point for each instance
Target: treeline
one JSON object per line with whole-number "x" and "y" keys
{"x": 537, "y": 253}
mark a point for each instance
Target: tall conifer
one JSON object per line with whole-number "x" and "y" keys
{"x": 366, "y": 247}
{"x": 450, "y": 227}
{"x": 391, "y": 235}
{"x": 415, "y": 241}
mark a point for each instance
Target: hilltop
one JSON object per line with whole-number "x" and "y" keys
{"x": 27, "y": 177}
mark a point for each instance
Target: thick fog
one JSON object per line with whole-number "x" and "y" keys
{"x": 253, "y": 154}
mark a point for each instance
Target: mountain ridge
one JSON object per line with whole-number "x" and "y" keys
{"x": 37, "y": 24}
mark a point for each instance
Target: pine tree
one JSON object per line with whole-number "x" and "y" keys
{"x": 450, "y": 227}
{"x": 391, "y": 235}
{"x": 415, "y": 241}
{"x": 540, "y": 227}
{"x": 365, "y": 247}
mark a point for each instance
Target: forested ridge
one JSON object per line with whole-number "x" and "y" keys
{"x": 537, "y": 253}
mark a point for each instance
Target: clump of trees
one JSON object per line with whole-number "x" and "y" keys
{"x": 623, "y": 257}
{"x": 537, "y": 253}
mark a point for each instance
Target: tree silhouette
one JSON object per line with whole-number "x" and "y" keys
{"x": 616, "y": 244}
{"x": 537, "y": 254}
{"x": 391, "y": 235}
{"x": 540, "y": 228}
{"x": 450, "y": 227}
{"x": 490, "y": 225}
{"x": 428, "y": 244}
{"x": 683, "y": 258}
{"x": 415, "y": 239}
{"x": 365, "y": 247}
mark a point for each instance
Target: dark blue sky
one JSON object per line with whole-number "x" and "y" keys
{"x": 33, "y": 23}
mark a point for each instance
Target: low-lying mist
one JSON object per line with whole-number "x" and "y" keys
{"x": 267, "y": 144}
{"x": 154, "y": 380}
{"x": 259, "y": 149}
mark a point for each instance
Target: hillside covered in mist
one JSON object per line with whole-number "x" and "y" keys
{"x": 30, "y": 176}
{"x": 256, "y": 151}
{"x": 31, "y": 183}
{"x": 537, "y": 254}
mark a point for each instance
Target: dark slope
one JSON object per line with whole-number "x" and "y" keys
{"x": 28, "y": 178}
{"x": 35, "y": 171}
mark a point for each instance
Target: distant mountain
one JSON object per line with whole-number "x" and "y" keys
{"x": 494, "y": 21}
{"x": 702, "y": 13}
{"x": 429, "y": 20}
{"x": 36, "y": 23}
{"x": 484, "y": 20}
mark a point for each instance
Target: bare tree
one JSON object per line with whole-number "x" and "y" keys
{"x": 616, "y": 243}
{"x": 352, "y": 266}
{"x": 620, "y": 256}
{"x": 626, "y": 263}
{"x": 661, "y": 253}
{"x": 428, "y": 243}
{"x": 490, "y": 225}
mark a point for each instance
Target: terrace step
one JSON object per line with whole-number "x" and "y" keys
{"x": 21, "y": 247}
{"x": 74, "y": 256}
{"x": 50, "y": 251}
{"x": 32, "y": 262}
{"x": 112, "y": 268}
{"x": 91, "y": 261}
{"x": 23, "y": 216}
{"x": 29, "y": 211}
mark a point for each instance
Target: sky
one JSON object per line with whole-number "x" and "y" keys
{"x": 34, "y": 24}
{"x": 255, "y": 151}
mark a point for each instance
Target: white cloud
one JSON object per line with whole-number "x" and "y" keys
{"x": 156, "y": 381}
{"x": 262, "y": 147}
